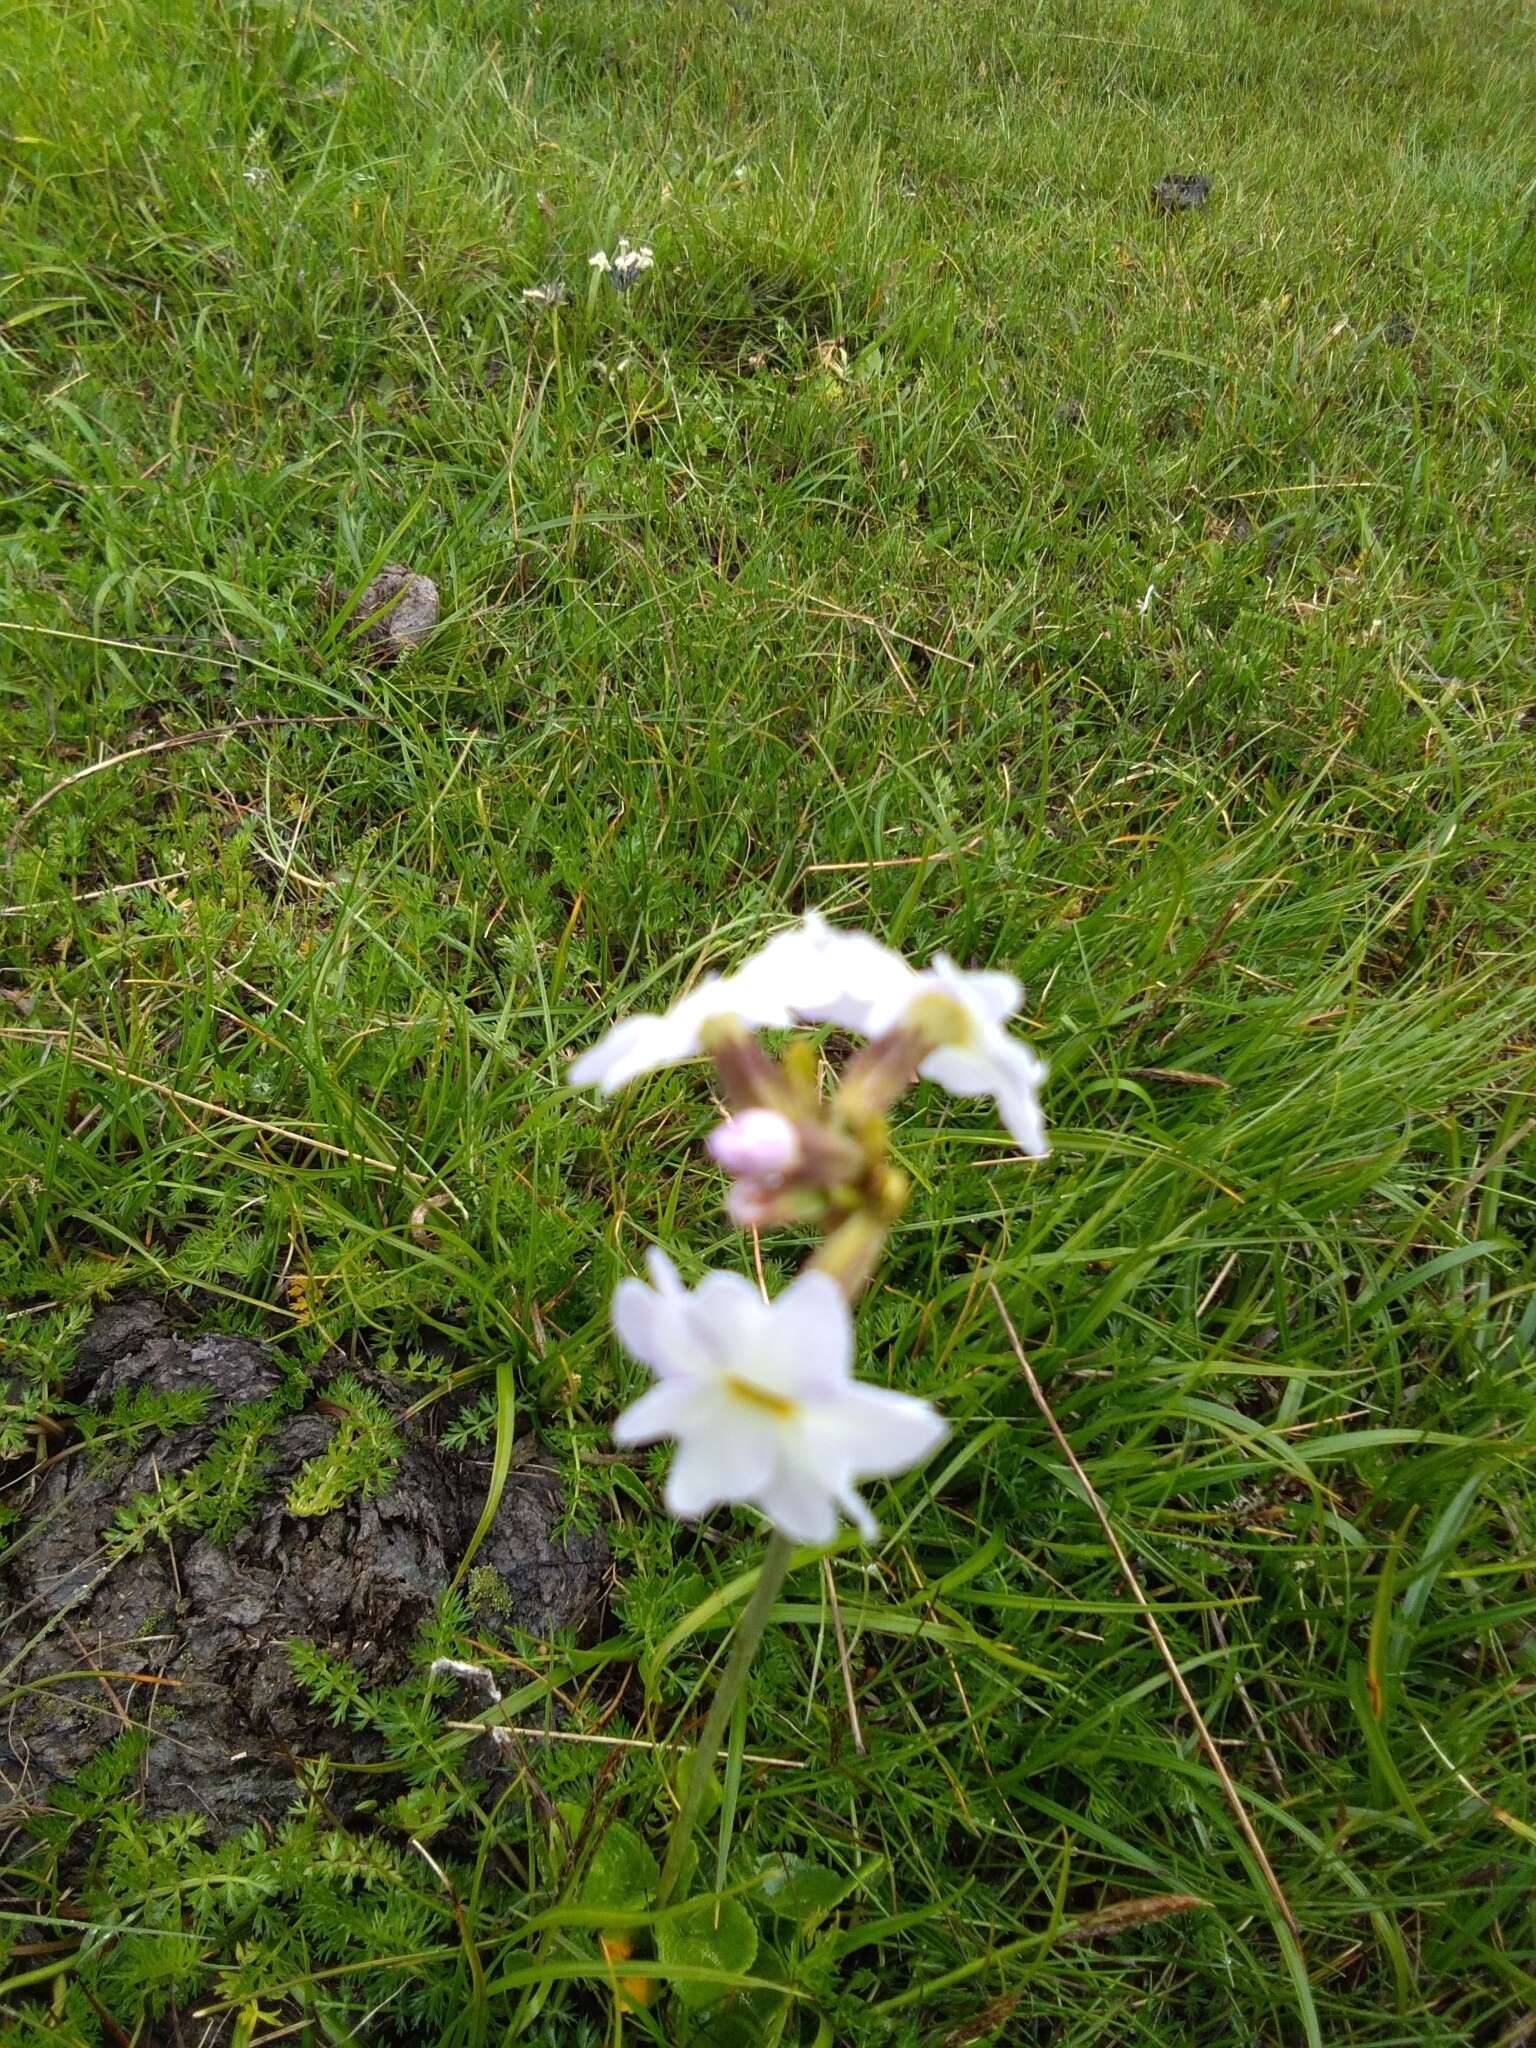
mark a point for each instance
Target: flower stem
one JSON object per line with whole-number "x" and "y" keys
{"x": 749, "y": 1633}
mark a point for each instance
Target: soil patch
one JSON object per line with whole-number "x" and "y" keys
{"x": 1180, "y": 190}
{"x": 187, "y": 1638}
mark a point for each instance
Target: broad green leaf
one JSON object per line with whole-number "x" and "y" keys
{"x": 622, "y": 1872}
{"x": 796, "y": 1889}
{"x": 707, "y": 1934}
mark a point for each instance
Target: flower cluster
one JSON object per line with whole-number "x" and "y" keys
{"x": 625, "y": 264}
{"x": 759, "y": 1395}
{"x": 621, "y": 269}
{"x": 953, "y": 1017}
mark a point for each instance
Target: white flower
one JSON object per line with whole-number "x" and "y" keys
{"x": 538, "y": 296}
{"x": 756, "y": 995}
{"x": 816, "y": 974}
{"x": 761, "y": 1399}
{"x": 625, "y": 265}
{"x": 629, "y": 263}
{"x": 847, "y": 978}
{"x": 977, "y": 1056}
{"x": 643, "y": 1044}
{"x": 865, "y": 987}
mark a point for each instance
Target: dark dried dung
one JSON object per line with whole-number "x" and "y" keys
{"x": 1180, "y": 190}
{"x": 212, "y": 1621}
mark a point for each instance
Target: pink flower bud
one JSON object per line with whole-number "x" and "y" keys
{"x": 757, "y": 1143}
{"x": 752, "y": 1204}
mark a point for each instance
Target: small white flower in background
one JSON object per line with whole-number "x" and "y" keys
{"x": 761, "y": 994}
{"x": 850, "y": 979}
{"x": 816, "y": 974}
{"x": 643, "y": 1044}
{"x": 625, "y": 265}
{"x": 538, "y": 296}
{"x": 629, "y": 264}
{"x": 761, "y": 1399}
{"x": 256, "y": 174}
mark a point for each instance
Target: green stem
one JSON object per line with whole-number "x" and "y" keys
{"x": 749, "y": 1633}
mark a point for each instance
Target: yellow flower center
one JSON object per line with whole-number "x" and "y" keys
{"x": 940, "y": 1019}
{"x": 758, "y": 1397}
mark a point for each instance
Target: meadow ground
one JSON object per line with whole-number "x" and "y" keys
{"x": 944, "y": 536}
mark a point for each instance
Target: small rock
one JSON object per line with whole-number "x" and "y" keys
{"x": 1180, "y": 190}
{"x": 397, "y": 610}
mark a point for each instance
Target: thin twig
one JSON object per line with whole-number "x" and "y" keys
{"x": 411, "y": 306}
{"x": 1197, "y": 966}
{"x": 166, "y": 746}
{"x": 1133, "y": 1587}
{"x": 183, "y": 1101}
{"x": 748, "y": 1756}
{"x": 842, "y": 1655}
{"x": 838, "y": 611}
{"x": 905, "y": 860}
{"x": 1277, "y": 1776}
{"x": 1216, "y": 1286}
{"x": 93, "y": 895}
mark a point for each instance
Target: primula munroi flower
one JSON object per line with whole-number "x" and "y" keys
{"x": 625, "y": 264}
{"x": 946, "y": 1022}
{"x": 757, "y": 996}
{"x": 651, "y": 1040}
{"x": 761, "y": 1399}
{"x": 964, "y": 1011}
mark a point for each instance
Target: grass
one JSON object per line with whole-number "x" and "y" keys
{"x": 942, "y": 537}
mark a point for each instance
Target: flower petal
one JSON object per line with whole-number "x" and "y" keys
{"x": 718, "y": 1461}
{"x": 811, "y": 1335}
{"x": 856, "y": 1509}
{"x": 852, "y": 980}
{"x": 651, "y": 1040}
{"x": 637, "y": 1045}
{"x": 1018, "y": 1099}
{"x": 662, "y": 1410}
{"x": 726, "y": 1320}
{"x": 798, "y": 1504}
{"x": 665, "y": 1277}
{"x": 872, "y": 1432}
{"x": 988, "y": 993}
{"x": 1004, "y": 1068}
{"x": 653, "y": 1327}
